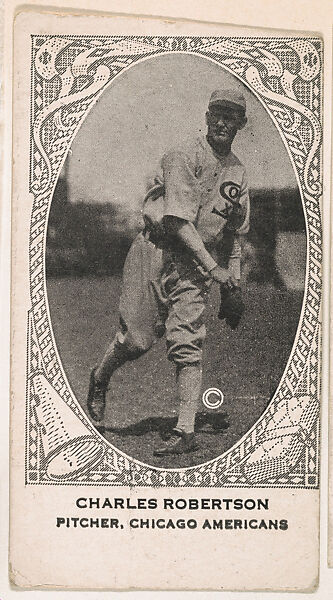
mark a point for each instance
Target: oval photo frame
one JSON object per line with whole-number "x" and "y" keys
{"x": 205, "y": 471}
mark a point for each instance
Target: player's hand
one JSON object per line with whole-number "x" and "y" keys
{"x": 220, "y": 275}
{"x": 233, "y": 282}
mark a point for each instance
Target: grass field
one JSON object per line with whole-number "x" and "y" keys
{"x": 246, "y": 365}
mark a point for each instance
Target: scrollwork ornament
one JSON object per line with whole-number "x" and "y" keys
{"x": 69, "y": 73}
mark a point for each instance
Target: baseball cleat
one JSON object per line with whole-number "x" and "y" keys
{"x": 179, "y": 443}
{"x": 96, "y": 398}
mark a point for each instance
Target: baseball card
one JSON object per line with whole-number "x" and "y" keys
{"x": 166, "y": 304}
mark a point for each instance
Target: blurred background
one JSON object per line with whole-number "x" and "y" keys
{"x": 95, "y": 213}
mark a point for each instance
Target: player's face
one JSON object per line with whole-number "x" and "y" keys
{"x": 223, "y": 123}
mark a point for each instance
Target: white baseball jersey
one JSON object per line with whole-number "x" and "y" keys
{"x": 198, "y": 185}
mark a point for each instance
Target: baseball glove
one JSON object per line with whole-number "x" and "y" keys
{"x": 232, "y": 306}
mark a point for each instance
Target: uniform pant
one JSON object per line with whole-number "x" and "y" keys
{"x": 161, "y": 294}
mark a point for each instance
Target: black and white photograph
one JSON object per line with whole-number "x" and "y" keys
{"x": 166, "y": 305}
{"x": 175, "y": 261}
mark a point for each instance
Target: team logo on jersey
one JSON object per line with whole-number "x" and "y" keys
{"x": 230, "y": 191}
{"x": 233, "y": 212}
{"x": 225, "y": 213}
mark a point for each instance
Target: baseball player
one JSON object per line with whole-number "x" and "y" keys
{"x": 194, "y": 215}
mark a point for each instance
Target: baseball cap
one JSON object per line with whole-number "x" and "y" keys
{"x": 231, "y": 98}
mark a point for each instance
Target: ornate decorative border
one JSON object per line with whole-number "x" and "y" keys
{"x": 68, "y": 75}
